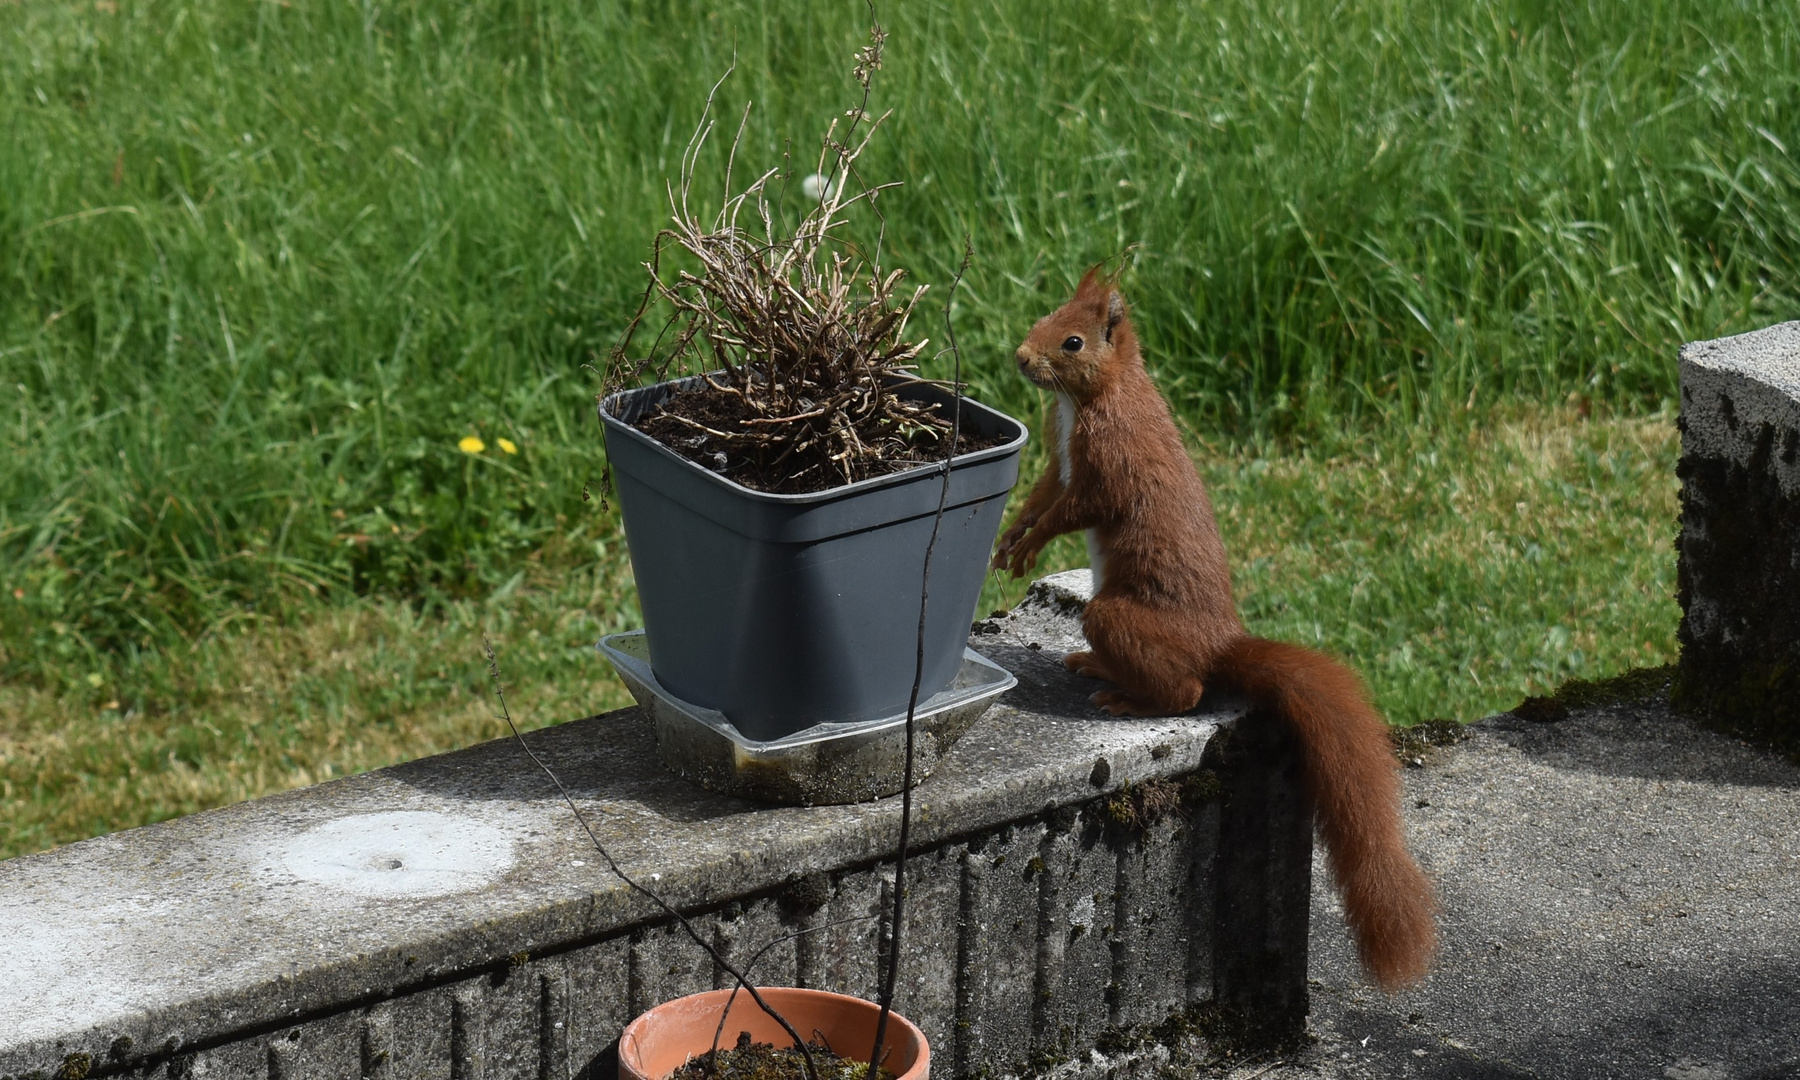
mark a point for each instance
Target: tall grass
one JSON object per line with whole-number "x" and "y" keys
{"x": 262, "y": 265}
{"x": 1459, "y": 564}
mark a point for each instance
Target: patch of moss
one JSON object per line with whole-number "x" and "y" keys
{"x": 805, "y": 894}
{"x": 750, "y": 1060}
{"x": 1138, "y": 807}
{"x": 1638, "y": 684}
{"x": 1231, "y": 1034}
{"x": 1411, "y": 743}
{"x": 1202, "y": 786}
{"x": 1206, "y": 1032}
{"x": 1541, "y": 710}
{"x": 74, "y": 1067}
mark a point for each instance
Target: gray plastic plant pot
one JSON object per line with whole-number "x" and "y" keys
{"x": 786, "y": 611}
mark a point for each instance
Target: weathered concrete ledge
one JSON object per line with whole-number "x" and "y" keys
{"x": 448, "y": 918}
{"x": 1740, "y": 534}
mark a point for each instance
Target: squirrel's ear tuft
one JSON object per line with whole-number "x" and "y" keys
{"x": 1115, "y": 311}
{"x": 1093, "y": 283}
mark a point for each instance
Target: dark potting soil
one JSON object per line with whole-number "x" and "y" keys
{"x": 759, "y": 470}
{"x": 762, "y": 1061}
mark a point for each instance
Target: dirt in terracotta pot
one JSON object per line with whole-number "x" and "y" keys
{"x": 762, "y": 1061}
{"x": 763, "y": 468}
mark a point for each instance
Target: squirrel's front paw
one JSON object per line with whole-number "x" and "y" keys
{"x": 1003, "y": 551}
{"x": 1022, "y": 558}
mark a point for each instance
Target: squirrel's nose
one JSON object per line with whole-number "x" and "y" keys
{"x": 1023, "y": 358}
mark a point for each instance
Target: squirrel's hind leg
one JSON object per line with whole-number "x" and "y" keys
{"x": 1152, "y": 663}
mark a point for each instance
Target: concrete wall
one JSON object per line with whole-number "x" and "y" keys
{"x": 1740, "y": 534}
{"x": 447, "y": 918}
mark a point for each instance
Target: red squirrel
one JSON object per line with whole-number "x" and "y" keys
{"x": 1162, "y": 624}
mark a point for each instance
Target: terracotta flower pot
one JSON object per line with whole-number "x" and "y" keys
{"x": 663, "y": 1039}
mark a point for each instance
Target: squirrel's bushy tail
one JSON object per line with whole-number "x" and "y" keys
{"x": 1354, "y": 782}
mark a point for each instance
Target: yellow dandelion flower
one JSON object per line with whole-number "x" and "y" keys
{"x": 507, "y": 445}
{"x": 471, "y": 445}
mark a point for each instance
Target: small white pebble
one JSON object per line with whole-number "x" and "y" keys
{"x": 578, "y": 862}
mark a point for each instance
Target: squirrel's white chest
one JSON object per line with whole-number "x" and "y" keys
{"x": 1065, "y": 427}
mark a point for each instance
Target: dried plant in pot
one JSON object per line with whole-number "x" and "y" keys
{"x": 687, "y": 1029}
{"x": 780, "y": 477}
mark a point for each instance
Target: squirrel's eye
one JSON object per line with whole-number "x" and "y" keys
{"x": 1072, "y": 345}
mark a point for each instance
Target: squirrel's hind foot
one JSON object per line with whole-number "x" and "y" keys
{"x": 1085, "y": 664}
{"x": 1122, "y": 704}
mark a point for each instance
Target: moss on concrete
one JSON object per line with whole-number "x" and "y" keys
{"x": 1638, "y": 684}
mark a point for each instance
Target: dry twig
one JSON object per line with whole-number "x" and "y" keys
{"x": 804, "y": 333}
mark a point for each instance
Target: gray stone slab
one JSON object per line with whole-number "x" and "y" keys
{"x": 1620, "y": 894}
{"x": 1152, "y": 919}
{"x": 925, "y": 988}
{"x": 844, "y": 935}
{"x": 509, "y": 1009}
{"x": 1077, "y": 960}
{"x": 666, "y": 964}
{"x": 326, "y": 1049}
{"x": 1002, "y": 926}
{"x": 758, "y": 940}
{"x": 1203, "y": 818}
{"x": 405, "y": 882}
{"x": 599, "y": 1002}
{"x": 419, "y": 1032}
{"x": 1732, "y": 387}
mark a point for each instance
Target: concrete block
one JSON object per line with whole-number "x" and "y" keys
{"x": 845, "y": 934}
{"x": 505, "y": 1007}
{"x": 1076, "y": 955}
{"x": 665, "y": 964}
{"x": 1201, "y": 902}
{"x": 757, "y": 940}
{"x": 1150, "y": 914}
{"x": 247, "y": 1059}
{"x": 1739, "y": 569}
{"x": 1001, "y": 923}
{"x": 1263, "y": 879}
{"x": 554, "y": 1059}
{"x": 597, "y": 991}
{"x": 441, "y": 918}
{"x": 925, "y": 990}
{"x": 326, "y": 1049}
{"x": 417, "y": 1031}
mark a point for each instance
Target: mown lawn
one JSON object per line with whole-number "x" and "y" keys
{"x": 1414, "y": 276}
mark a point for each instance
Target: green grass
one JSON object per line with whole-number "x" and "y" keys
{"x": 1460, "y": 565}
{"x": 263, "y": 264}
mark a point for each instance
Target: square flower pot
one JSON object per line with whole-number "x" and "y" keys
{"x": 786, "y": 611}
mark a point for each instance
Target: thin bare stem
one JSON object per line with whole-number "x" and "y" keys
{"x": 912, "y": 702}
{"x": 718, "y": 958}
